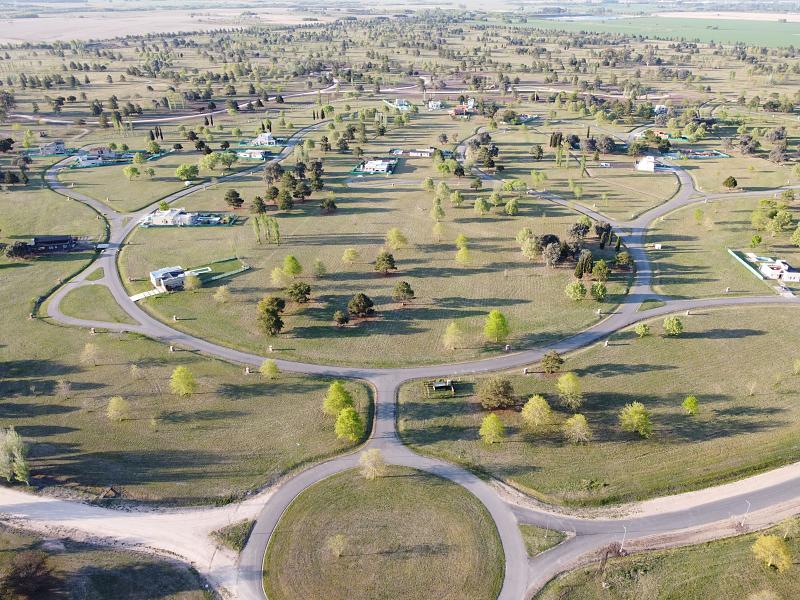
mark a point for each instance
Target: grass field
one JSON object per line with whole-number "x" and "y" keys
{"x": 721, "y": 569}
{"x": 237, "y": 433}
{"x": 694, "y": 260}
{"x": 407, "y": 535}
{"x": 748, "y": 421}
{"x": 498, "y": 276}
{"x": 94, "y": 302}
{"x": 537, "y": 539}
{"x": 86, "y": 572}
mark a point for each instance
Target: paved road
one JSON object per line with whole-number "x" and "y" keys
{"x": 522, "y": 577}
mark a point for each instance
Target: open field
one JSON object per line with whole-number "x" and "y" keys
{"x": 748, "y": 420}
{"x": 212, "y": 445}
{"x": 87, "y": 572}
{"x": 407, "y": 535}
{"x": 694, "y": 260}
{"x": 537, "y": 540}
{"x": 722, "y": 569}
{"x": 94, "y": 302}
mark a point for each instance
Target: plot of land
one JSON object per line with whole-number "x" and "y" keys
{"x": 723, "y": 569}
{"x": 748, "y": 419}
{"x": 94, "y": 302}
{"x": 407, "y": 535}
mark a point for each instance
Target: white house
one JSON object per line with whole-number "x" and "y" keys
{"x": 172, "y": 217}
{"x": 660, "y": 109}
{"x": 779, "y": 269}
{"x": 422, "y": 152}
{"x": 263, "y": 139}
{"x": 54, "y": 147}
{"x": 252, "y": 154}
{"x": 377, "y": 166}
{"x": 647, "y": 164}
{"x": 434, "y": 105}
{"x": 168, "y": 278}
{"x": 400, "y": 104}
{"x": 86, "y": 160}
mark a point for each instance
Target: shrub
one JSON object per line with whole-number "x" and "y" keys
{"x": 673, "y": 326}
{"x": 495, "y": 393}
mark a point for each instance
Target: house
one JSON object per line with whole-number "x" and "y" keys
{"x": 400, "y": 104}
{"x": 168, "y": 278}
{"x": 43, "y": 244}
{"x": 85, "y": 160}
{"x": 54, "y": 147}
{"x": 648, "y": 164}
{"x": 660, "y": 109}
{"x": 252, "y": 154}
{"x": 263, "y": 139}
{"x": 172, "y": 217}
{"x": 377, "y": 166}
{"x": 422, "y": 152}
{"x": 779, "y": 269}
{"x": 435, "y": 105}
{"x": 103, "y": 152}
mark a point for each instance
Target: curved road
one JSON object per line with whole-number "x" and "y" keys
{"x": 183, "y": 532}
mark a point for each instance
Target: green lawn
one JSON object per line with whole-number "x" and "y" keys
{"x": 87, "y": 572}
{"x": 694, "y": 260}
{"x": 407, "y": 535}
{"x": 748, "y": 420}
{"x": 538, "y": 539}
{"x": 94, "y": 302}
{"x": 721, "y": 569}
{"x": 531, "y": 295}
{"x": 237, "y": 433}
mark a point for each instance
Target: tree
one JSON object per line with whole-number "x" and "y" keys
{"x": 576, "y": 430}
{"x": 584, "y": 264}
{"x": 551, "y": 362}
{"x": 268, "y": 315}
{"x": 395, "y": 239}
{"x": 402, "y": 292}
{"x": 599, "y": 291}
{"x": 453, "y": 336}
{"x": 139, "y": 159}
{"x": 773, "y": 552}
{"x": 269, "y": 369}
{"x": 291, "y": 266}
{"x": 385, "y": 263}
{"x": 635, "y": 417}
{"x": 336, "y": 398}
{"x": 492, "y": 430}
{"x": 551, "y": 254}
{"x": 642, "y": 329}
{"x": 512, "y": 207}
{"x": 456, "y": 198}
{"x": 575, "y": 290}
{"x": 360, "y": 305}
{"x": 182, "y": 382}
{"x": 118, "y": 409}
{"x": 537, "y": 414}
{"x": 341, "y": 318}
{"x": 372, "y": 464}
{"x": 319, "y": 268}
{"x": 130, "y": 172}
{"x": 496, "y": 327}
{"x": 186, "y": 172}
{"x": 349, "y": 425}
{"x": 350, "y": 255}
{"x": 691, "y": 405}
{"x": 600, "y": 271}
{"x": 569, "y": 391}
{"x": 461, "y": 241}
{"x": 496, "y": 392}
{"x": 233, "y": 199}
{"x": 481, "y": 206}
{"x": 299, "y": 292}
{"x": 672, "y": 326}
{"x": 730, "y": 182}
{"x": 463, "y": 256}
{"x": 437, "y": 212}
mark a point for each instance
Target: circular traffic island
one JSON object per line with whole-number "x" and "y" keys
{"x": 407, "y": 535}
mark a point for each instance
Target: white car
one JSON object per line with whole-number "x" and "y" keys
{"x": 605, "y": 164}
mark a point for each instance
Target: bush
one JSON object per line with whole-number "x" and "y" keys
{"x": 551, "y": 362}
{"x": 575, "y": 291}
{"x": 673, "y": 326}
{"x": 495, "y": 393}
{"x": 360, "y": 305}
{"x": 642, "y": 329}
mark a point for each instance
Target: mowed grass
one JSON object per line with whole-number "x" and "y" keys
{"x": 88, "y": 572}
{"x": 721, "y": 569}
{"x": 694, "y": 260}
{"x": 498, "y": 276}
{"x": 94, "y": 302}
{"x": 237, "y": 433}
{"x": 538, "y": 539}
{"x": 748, "y": 420}
{"x": 618, "y": 191}
{"x": 408, "y": 535}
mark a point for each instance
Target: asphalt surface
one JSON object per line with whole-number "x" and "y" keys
{"x": 522, "y": 577}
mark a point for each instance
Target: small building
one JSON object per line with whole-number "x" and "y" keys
{"x": 660, "y": 109}
{"x": 85, "y": 160}
{"x": 401, "y": 104}
{"x": 172, "y": 217}
{"x": 422, "y": 152}
{"x": 168, "y": 278}
{"x": 263, "y": 139}
{"x": 44, "y": 244}
{"x": 252, "y": 154}
{"x": 54, "y": 147}
{"x": 779, "y": 269}
{"x": 377, "y": 166}
{"x": 647, "y": 164}
{"x": 103, "y": 152}
{"x": 435, "y": 105}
